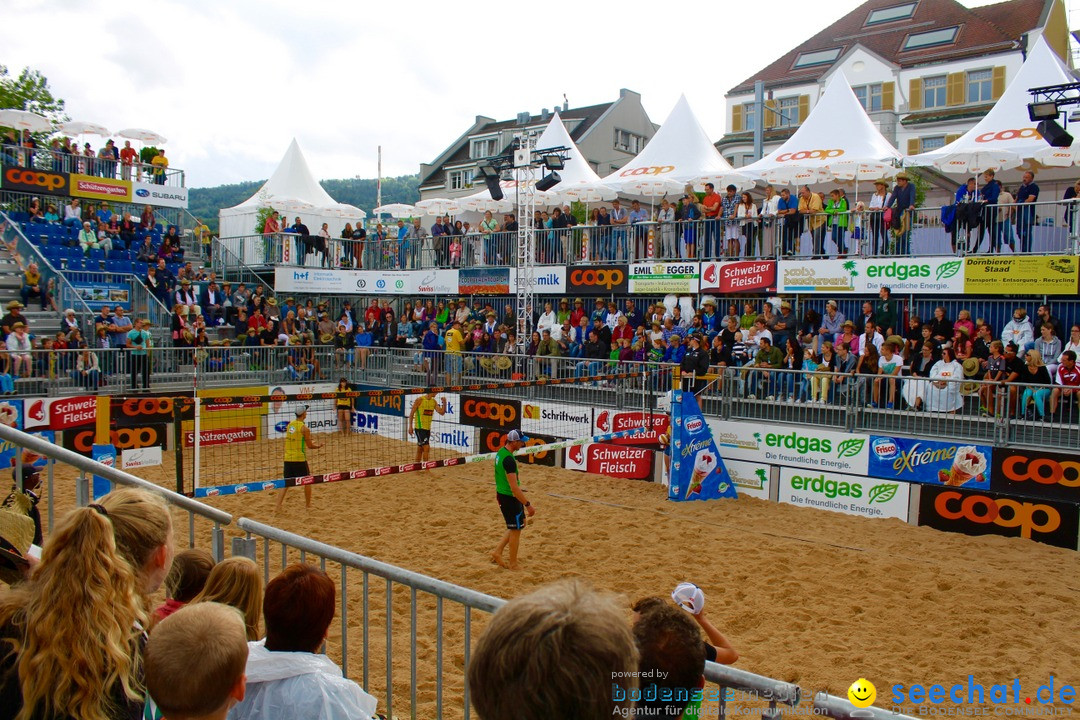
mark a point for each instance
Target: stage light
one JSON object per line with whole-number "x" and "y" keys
{"x": 1054, "y": 134}
{"x": 490, "y": 176}
{"x": 548, "y": 181}
{"x": 554, "y": 162}
{"x": 1043, "y": 111}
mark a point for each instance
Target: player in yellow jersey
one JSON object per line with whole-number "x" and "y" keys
{"x": 420, "y": 415}
{"x": 297, "y": 441}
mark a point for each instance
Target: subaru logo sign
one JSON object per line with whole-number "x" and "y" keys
{"x": 282, "y": 426}
{"x": 380, "y": 284}
{"x": 142, "y": 192}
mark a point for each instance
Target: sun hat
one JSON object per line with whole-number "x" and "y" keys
{"x": 689, "y": 597}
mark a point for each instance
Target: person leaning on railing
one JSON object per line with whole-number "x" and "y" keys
{"x": 902, "y": 203}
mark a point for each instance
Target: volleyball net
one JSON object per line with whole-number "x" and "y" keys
{"x": 233, "y": 443}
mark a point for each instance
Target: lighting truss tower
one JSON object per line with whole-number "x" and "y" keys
{"x": 525, "y": 194}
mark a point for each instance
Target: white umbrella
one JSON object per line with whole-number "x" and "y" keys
{"x": 146, "y": 137}
{"x": 431, "y": 206}
{"x": 1059, "y": 156}
{"x": 24, "y": 120}
{"x": 343, "y": 211}
{"x": 587, "y": 193}
{"x": 742, "y": 181}
{"x": 80, "y": 127}
{"x": 977, "y": 161}
{"x": 796, "y": 175}
{"x": 289, "y": 205}
{"x": 861, "y": 170}
{"x": 396, "y": 210}
{"x": 480, "y": 204}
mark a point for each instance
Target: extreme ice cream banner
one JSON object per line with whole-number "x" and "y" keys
{"x": 696, "y": 470}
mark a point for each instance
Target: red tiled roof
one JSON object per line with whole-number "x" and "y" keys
{"x": 989, "y": 29}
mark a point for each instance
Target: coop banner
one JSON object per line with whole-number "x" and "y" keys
{"x": 916, "y": 276}
{"x": 1036, "y": 473}
{"x": 492, "y": 440}
{"x": 697, "y": 471}
{"x": 981, "y": 513}
{"x": 955, "y": 464}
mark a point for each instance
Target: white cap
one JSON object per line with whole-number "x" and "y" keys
{"x": 689, "y": 597}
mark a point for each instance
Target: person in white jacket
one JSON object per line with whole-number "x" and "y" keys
{"x": 286, "y": 676}
{"x": 1018, "y": 330}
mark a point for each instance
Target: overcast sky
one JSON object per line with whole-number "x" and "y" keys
{"x": 231, "y": 82}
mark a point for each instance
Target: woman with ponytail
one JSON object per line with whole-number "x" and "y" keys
{"x": 71, "y": 637}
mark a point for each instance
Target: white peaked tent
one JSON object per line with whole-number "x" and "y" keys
{"x": 292, "y": 190}
{"x": 836, "y": 141}
{"x": 1005, "y": 136}
{"x": 680, "y": 153}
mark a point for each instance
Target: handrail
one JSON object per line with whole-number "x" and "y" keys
{"x": 450, "y": 591}
{"x": 839, "y": 708}
{"x": 26, "y": 247}
{"x": 766, "y": 688}
{"x": 227, "y": 258}
{"x": 47, "y": 449}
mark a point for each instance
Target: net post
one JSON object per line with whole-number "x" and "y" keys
{"x": 197, "y": 443}
{"x": 178, "y": 446}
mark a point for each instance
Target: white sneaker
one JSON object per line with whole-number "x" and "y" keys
{"x": 751, "y": 396}
{"x": 769, "y": 398}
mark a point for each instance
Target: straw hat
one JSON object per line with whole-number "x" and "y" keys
{"x": 272, "y": 302}
{"x": 188, "y": 335}
{"x": 14, "y": 304}
{"x": 971, "y": 367}
{"x": 895, "y": 340}
{"x": 503, "y": 362}
{"x": 326, "y": 338}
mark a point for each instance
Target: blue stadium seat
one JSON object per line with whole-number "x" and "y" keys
{"x": 19, "y": 216}
{"x": 157, "y": 228}
{"x": 117, "y": 254}
{"x": 140, "y": 267}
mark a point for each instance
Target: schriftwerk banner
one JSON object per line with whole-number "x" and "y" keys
{"x": 697, "y": 470}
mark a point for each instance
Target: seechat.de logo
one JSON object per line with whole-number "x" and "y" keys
{"x": 142, "y": 192}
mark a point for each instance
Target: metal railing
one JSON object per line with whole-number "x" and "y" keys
{"x": 229, "y": 267}
{"x": 1032, "y": 228}
{"x": 87, "y": 468}
{"x": 59, "y": 161}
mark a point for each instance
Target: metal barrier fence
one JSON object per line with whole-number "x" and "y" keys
{"x": 59, "y": 161}
{"x": 1030, "y": 228}
{"x": 454, "y": 605}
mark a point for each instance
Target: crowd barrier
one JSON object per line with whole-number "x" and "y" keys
{"x": 451, "y": 601}
{"x": 1041, "y": 228}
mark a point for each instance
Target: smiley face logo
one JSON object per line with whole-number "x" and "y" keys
{"x": 862, "y": 693}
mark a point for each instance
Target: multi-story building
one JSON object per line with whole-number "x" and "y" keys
{"x": 608, "y": 136}
{"x": 925, "y": 70}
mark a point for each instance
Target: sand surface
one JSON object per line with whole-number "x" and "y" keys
{"x": 808, "y": 596}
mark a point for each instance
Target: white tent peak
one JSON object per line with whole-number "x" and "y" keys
{"x": 837, "y": 131}
{"x": 1006, "y": 130}
{"x": 293, "y": 180}
{"x": 680, "y": 150}
{"x": 577, "y": 168}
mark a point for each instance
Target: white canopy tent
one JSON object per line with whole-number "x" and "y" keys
{"x": 294, "y": 190}
{"x": 679, "y": 152}
{"x": 1005, "y": 136}
{"x": 836, "y": 141}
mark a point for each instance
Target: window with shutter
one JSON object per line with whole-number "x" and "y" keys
{"x": 915, "y": 94}
{"x": 888, "y": 93}
{"x": 913, "y": 146}
{"x": 770, "y": 114}
{"x": 737, "y": 119}
{"x": 998, "y": 83}
{"x": 804, "y": 107}
{"x": 955, "y": 89}
{"x": 952, "y": 138}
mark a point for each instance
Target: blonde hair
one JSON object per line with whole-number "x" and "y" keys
{"x": 1034, "y": 357}
{"x": 236, "y": 582}
{"x": 552, "y": 653}
{"x": 77, "y": 624}
{"x": 194, "y": 659}
{"x": 141, "y": 522}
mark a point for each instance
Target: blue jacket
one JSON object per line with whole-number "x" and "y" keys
{"x": 674, "y": 353}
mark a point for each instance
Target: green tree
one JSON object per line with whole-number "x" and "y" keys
{"x": 30, "y": 91}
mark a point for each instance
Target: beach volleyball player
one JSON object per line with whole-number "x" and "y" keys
{"x": 420, "y": 415}
{"x": 297, "y": 441}
{"x": 512, "y": 501}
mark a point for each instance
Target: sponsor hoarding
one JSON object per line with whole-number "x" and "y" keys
{"x": 749, "y": 478}
{"x": 383, "y": 404}
{"x": 613, "y": 460}
{"x": 849, "y": 494}
{"x": 100, "y": 188}
{"x": 1036, "y": 473}
{"x": 459, "y": 438}
{"x": 366, "y": 423}
{"x": 59, "y": 413}
{"x": 37, "y": 182}
{"x": 81, "y": 439}
{"x": 484, "y": 281}
{"x": 558, "y": 419}
{"x": 221, "y": 436}
{"x": 545, "y": 281}
{"x": 930, "y": 461}
{"x": 609, "y": 421}
{"x": 916, "y": 276}
{"x": 159, "y": 195}
{"x": 598, "y": 279}
{"x": 976, "y": 512}
{"x": 805, "y": 446}
{"x": 738, "y": 276}
{"x": 126, "y": 412}
{"x": 453, "y": 407}
{"x": 664, "y": 277}
{"x": 141, "y": 457}
{"x": 493, "y": 413}
{"x": 98, "y": 294}
{"x": 1018, "y": 274}
{"x": 492, "y": 440}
